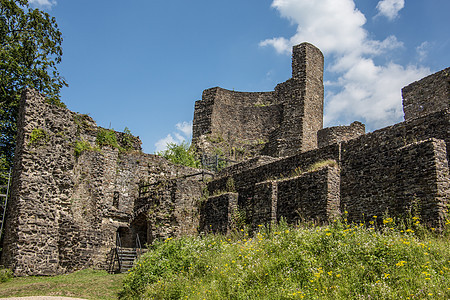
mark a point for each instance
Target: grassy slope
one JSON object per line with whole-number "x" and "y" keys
{"x": 334, "y": 262}
{"x": 87, "y": 284}
{"x": 339, "y": 261}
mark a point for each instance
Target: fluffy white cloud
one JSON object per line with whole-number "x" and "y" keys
{"x": 183, "y": 133}
{"x": 43, "y": 3}
{"x": 363, "y": 91}
{"x": 332, "y": 25}
{"x": 390, "y": 8}
{"x": 185, "y": 128}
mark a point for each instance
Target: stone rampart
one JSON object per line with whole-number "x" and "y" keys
{"x": 217, "y": 213}
{"x": 70, "y": 194}
{"x": 338, "y": 134}
{"x": 311, "y": 196}
{"x": 391, "y": 171}
{"x": 428, "y": 95}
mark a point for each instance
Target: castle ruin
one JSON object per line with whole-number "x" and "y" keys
{"x": 79, "y": 189}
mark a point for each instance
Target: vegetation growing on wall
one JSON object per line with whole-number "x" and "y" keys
{"x": 107, "y": 137}
{"x": 181, "y": 154}
{"x": 38, "y": 136}
{"x": 127, "y": 139}
{"x": 81, "y": 146}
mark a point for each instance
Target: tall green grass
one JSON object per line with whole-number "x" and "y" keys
{"x": 339, "y": 261}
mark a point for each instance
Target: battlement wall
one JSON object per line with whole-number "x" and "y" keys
{"x": 338, "y": 134}
{"x": 428, "y": 95}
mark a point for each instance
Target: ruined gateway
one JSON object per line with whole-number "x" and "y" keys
{"x": 74, "y": 193}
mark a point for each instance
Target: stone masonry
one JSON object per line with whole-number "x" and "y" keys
{"x": 77, "y": 187}
{"x": 241, "y": 125}
{"x": 66, "y": 209}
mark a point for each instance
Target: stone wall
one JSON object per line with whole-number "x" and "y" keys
{"x": 233, "y": 124}
{"x": 311, "y": 196}
{"x": 398, "y": 170}
{"x": 241, "y": 125}
{"x": 217, "y": 213}
{"x": 67, "y": 206}
{"x": 338, "y": 134}
{"x": 428, "y": 95}
{"x": 408, "y": 180}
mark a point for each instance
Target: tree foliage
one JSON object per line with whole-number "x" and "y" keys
{"x": 181, "y": 155}
{"x": 30, "y": 50}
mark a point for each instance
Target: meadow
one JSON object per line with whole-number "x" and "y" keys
{"x": 378, "y": 260}
{"x": 383, "y": 259}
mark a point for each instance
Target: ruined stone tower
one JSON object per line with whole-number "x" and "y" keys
{"x": 282, "y": 122}
{"x": 302, "y": 100}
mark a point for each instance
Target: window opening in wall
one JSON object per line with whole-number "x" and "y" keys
{"x": 116, "y": 200}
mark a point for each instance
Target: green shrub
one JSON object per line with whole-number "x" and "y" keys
{"x": 127, "y": 139}
{"x": 107, "y": 137}
{"x": 180, "y": 154}
{"x": 38, "y": 136}
{"x": 5, "y": 275}
{"x": 81, "y": 146}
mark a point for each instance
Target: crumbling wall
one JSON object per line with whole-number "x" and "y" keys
{"x": 217, "y": 213}
{"x": 338, "y": 134}
{"x": 241, "y": 125}
{"x": 428, "y": 95}
{"x": 234, "y": 124}
{"x": 70, "y": 195}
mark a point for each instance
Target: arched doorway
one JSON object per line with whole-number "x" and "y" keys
{"x": 138, "y": 234}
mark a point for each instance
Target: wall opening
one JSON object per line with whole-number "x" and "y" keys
{"x": 116, "y": 200}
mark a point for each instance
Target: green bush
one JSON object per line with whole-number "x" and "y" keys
{"x": 181, "y": 154}
{"x": 127, "y": 139}
{"x": 81, "y": 146}
{"x": 107, "y": 137}
{"x": 5, "y": 275}
{"x": 38, "y": 136}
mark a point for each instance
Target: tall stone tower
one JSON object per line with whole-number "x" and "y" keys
{"x": 302, "y": 101}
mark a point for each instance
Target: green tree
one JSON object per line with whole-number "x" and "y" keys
{"x": 180, "y": 154}
{"x": 30, "y": 50}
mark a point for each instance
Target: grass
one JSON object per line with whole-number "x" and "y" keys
{"x": 339, "y": 261}
{"x": 378, "y": 260}
{"x": 88, "y": 284}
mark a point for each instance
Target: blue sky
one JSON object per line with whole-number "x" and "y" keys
{"x": 142, "y": 64}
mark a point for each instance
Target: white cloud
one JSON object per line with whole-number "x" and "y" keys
{"x": 43, "y": 3}
{"x": 422, "y": 50}
{"x": 184, "y": 133}
{"x": 364, "y": 90}
{"x": 390, "y": 8}
{"x": 185, "y": 128}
